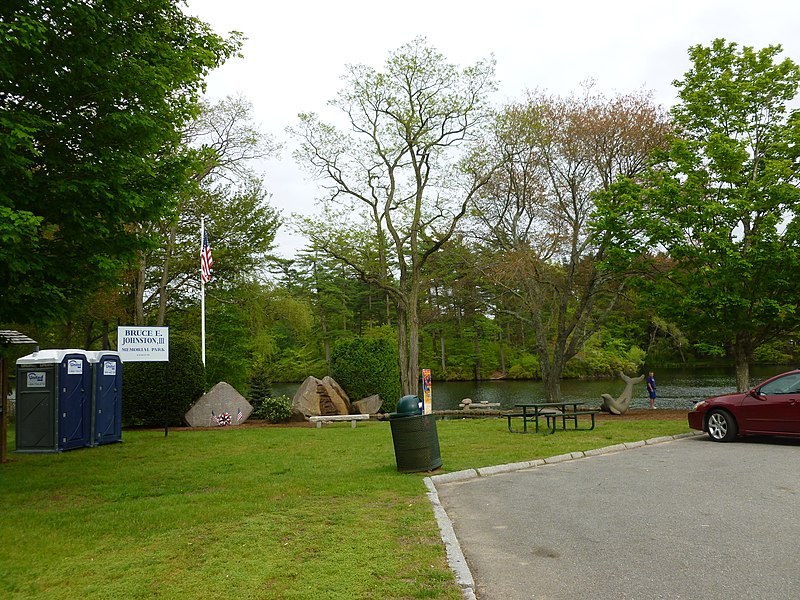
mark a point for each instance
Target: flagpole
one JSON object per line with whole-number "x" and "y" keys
{"x": 202, "y": 297}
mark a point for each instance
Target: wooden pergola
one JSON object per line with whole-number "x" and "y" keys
{"x": 8, "y": 337}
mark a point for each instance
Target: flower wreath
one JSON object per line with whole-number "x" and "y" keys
{"x": 224, "y": 419}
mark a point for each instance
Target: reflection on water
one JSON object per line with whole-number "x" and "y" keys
{"x": 677, "y": 388}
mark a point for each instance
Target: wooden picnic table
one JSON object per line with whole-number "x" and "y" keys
{"x": 552, "y": 412}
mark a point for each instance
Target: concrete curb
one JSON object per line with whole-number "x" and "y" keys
{"x": 455, "y": 556}
{"x": 454, "y": 476}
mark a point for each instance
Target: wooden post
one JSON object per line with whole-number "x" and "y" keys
{"x": 4, "y": 407}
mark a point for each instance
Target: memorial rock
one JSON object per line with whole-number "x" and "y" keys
{"x": 222, "y": 405}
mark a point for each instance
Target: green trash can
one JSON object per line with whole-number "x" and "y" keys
{"x": 416, "y": 443}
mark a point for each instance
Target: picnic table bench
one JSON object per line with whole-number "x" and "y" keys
{"x": 573, "y": 415}
{"x": 319, "y": 420}
{"x": 552, "y": 412}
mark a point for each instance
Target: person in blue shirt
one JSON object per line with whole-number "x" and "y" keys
{"x": 651, "y": 389}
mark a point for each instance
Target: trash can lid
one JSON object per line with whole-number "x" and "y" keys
{"x": 408, "y": 405}
{"x": 49, "y": 357}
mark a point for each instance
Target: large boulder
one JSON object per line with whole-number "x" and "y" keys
{"x": 317, "y": 397}
{"x": 367, "y": 406}
{"x": 217, "y": 405}
{"x": 331, "y": 384}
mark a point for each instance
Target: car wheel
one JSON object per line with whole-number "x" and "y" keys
{"x": 721, "y": 426}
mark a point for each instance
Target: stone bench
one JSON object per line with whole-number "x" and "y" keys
{"x": 319, "y": 420}
{"x": 475, "y": 405}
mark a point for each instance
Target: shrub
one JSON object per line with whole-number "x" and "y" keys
{"x": 274, "y": 410}
{"x": 774, "y": 353}
{"x": 145, "y": 401}
{"x": 367, "y": 366}
{"x": 259, "y": 387}
{"x": 525, "y": 367}
{"x": 605, "y": 360}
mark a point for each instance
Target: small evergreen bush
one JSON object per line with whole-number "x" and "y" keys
{"x": 259, "y": 387}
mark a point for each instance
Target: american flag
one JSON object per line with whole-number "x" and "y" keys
{"x": 239, "y": 414}
{"x": 206, "y": 261}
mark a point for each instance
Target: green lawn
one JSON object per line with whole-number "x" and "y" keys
{"x": 249, "y": 512}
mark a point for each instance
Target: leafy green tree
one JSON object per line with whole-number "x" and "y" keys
{"x": 452, "y": 313}
{"x": 93, "y": 96}
{"x": 723, "y": 201}
{"x": 541, "y": 253}
{"x": 280, "y": 332}
{"x": 223, "y": 188}
{"x": 399, "y": 177}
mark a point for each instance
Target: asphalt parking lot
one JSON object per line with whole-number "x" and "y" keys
{"x": 687, "y": 518}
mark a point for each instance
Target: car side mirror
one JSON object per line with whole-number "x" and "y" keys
{"x": 754, "y": 393}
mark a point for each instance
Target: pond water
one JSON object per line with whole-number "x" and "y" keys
{"x": 677, "y": 388}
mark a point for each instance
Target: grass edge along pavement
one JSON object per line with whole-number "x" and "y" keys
{"x": 251, "y": 512}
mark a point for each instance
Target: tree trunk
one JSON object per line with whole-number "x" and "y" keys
{"x": 552, "y": 384}
{"x": 68, "y": 328}
{"x": 552, "y": 365}
{"x": 477, "y": 366}
{"x": 408, "y": 343}
{"x": 138, "y": 292}
{"x": 502, "y": 354}
{"x": 402, "y": 349}
{"x": 106, "y": 337}
{"x": 742, "y": 350}
{"x": 163, "y": 287}
{"x": 413, "y": 346}
{"x": 441, "y": 349}
{"x": 89, "y": 338}
{"x": 326, "y": 343}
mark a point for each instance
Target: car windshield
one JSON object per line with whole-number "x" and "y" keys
{"x": 789, "y": 384}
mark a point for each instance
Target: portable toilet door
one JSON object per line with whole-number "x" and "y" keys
{"x": 36, "y": 405}
{"x": 75, "y": 398}
{"x": 106, "y": 397}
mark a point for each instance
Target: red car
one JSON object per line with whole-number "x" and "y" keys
{"x": 770, "y": 408}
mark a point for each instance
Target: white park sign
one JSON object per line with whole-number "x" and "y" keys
{"x": 143, "y": 344}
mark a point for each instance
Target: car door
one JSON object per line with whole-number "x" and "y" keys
{"x": 774, "y": 407}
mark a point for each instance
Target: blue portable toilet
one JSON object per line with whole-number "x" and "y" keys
{"x": 106, "y": 397}
{"x": 53, "y": 401}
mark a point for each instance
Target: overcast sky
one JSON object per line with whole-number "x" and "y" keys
{"x": 296, "y": 50}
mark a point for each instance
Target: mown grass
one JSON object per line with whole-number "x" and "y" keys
{"x": 249, "y": 512}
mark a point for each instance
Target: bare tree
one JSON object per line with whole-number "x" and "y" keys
{"x": 400, "y": 180}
